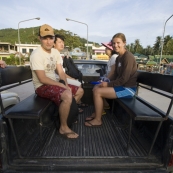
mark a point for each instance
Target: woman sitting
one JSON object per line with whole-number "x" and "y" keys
{"x": 122, "y": 85}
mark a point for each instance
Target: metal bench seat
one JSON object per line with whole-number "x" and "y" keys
{"x": 32, "y": 107}
{"x": 141, "y": 110}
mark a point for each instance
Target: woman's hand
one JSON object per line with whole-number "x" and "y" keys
{"x": 104, "y": 84}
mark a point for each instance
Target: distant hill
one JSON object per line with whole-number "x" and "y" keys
{"x": 30, "y": 35}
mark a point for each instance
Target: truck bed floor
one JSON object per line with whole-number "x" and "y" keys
{"x": 105, "y": 144}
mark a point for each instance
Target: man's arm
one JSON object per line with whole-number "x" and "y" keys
{"x": 47, "y": 81}
{"x": 61, "y": 73}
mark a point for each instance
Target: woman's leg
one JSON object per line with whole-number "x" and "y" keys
{"x": 98, "y": 95}
{"x": 105, "y": 103}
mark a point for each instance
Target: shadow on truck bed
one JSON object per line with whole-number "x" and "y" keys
{"x": 97, "y": 148}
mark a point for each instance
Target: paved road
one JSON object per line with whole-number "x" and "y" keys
{"x": 157, "y": 100}
{"x": 24, "y": 90}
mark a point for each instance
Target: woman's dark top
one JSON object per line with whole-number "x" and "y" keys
{"x": 125, "y": 71}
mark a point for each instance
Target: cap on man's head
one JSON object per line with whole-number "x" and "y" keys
{"x": 46, "y": 30}
{"x": 108, "y": 45}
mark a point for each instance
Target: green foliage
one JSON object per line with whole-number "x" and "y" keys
{"x": 30, "y": 36}
{"x": 74, "y": 57}
{"x": 12, "y": 60}
{"x": 156, "y": 58}
{"x": 153, "y": 52}
{"x": 8, "y": 35}
{"x": 152, "y": 58}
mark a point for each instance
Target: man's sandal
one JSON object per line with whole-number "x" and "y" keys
{"x": 66, "y": 135}
{"x": 80, "y": 111}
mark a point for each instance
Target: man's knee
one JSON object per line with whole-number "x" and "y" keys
{"x": 80, "y": 91}
{"x": 66, "y": 96}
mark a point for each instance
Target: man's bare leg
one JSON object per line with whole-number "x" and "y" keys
{"x": 79, "y": 94}
{"x": 64, "y": 109}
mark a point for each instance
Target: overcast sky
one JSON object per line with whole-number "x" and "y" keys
{"x": 137, "y": 19}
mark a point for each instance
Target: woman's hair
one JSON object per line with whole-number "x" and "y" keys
{"x": 121, "y": 36}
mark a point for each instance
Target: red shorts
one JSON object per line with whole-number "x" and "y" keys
{"x": 54, "y": 92}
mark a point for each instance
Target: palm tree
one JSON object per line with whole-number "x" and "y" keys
{"x": 157, "y": 45}
{"x": 169, "y": 46}
{"x": 137, "y": 45}
{"x": 132, "y": 48}
{"x": 128, "y": 47}
{"x": 165, "y": 46}
{"x": 149, "y": 50}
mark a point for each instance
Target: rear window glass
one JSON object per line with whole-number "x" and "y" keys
{"x": 91, "y": 69}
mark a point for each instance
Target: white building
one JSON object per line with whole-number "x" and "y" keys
{"x": 99, "y": 53}
{"x": 6, "y": 49}
{"x": 26, "y": 49}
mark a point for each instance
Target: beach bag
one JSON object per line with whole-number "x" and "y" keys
{"x": 71, "y": 69}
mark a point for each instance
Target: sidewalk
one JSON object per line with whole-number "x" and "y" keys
{"x": 156, "y": 99}
{"x": 26, "y": 90}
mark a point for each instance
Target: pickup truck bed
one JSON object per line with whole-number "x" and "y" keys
{"x": 96, "y": 149}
